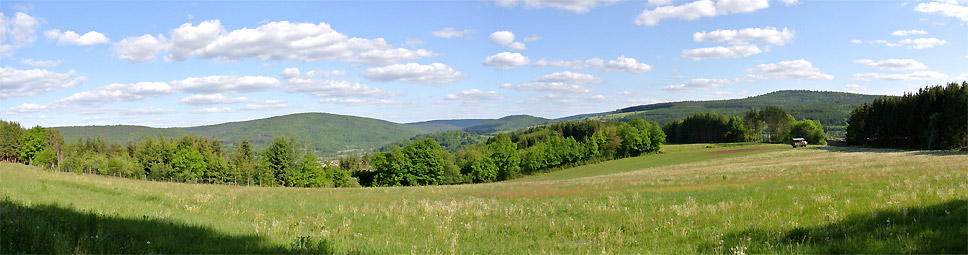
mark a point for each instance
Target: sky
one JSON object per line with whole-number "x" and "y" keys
{"x": 190, "y": 63}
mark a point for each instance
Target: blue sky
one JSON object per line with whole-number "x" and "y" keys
{"x": 184, "y": 63}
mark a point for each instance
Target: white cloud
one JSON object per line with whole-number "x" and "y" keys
{"x": 699, "y": 9}
{"x": 266, "y": 105}
{"x": 293, "y": 72}
{"x": 576, "y": 6}
{"x": 736, "y": 51}
{"x": 517, "y": 46}
{"x": 71, "y": 37}
{"x": 342, "y": 100}
{"x": 29, "y": 108}
{"x": 548, "y": 87}
{"x": 147, "y": 110}
{"x": 790, "y": 2}
{"x": 893, "y": 64}
{"x": 115, "y": 93}
{"x": 207, "y": 99}
{"x": 411, "y": 41}
{"x": 334, "y": 88}
{"x": 962, "y": 77}
{"x": 140, "y": 49}
{"x": 213, "y": 110}
{"x": 569, "y": 78}
{"x": 507, "y": 60}
{"x": 743, "y": 36}
{"x": 21, "y": 27}
{"x": 473, "y": 96}
{"x": 225, "y": 84}
{"x": 623, "y": 64}
{"x": 449, "y": 32}
{"x": 854, "y": 88}
{"x": 793, "y": 69}
{"x": 909, "y": 32}
{"x": 502, "y": 37}
{"x": 699, "y": 84}
{"x": 40, "y": 63}
{"x": 25, "y": 83}
{"x": 187, "y": 39}
{"x": 947, "y": 8}
{"x": 532, "y": 38}
{"x": 921, "y": 75}
{"x": 855, "y": 41}
{"x": 389, "y": 56}
{"x": 577, "y": 64}
{"x": 435, "y": 73}
{"x": 918, "y": 43}
{"x": 597, "y": 97}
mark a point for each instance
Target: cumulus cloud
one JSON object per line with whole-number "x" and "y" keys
{"x": 146, "y": 111}
{"x": 893, "y": 64}
{"x": 736, "y": 51}
{"x": 71, "y": 37}
{"x": 115, "y": 93}
{"x": 293, "y": 72}
{"x": 532, "y": 38}
{"x": 549, "y": 87}
{"x": 334, "y": 88}
{"x": 576, "y": 6}
{"x": 473, "y": 96}
{"x": 794, "y": 69}
{"x": 29, "y": 108}
{"x": 624, "y": 64}
{"x": 507, "y": 60}
{"x": 917, "y": 43}
{"x": 208, "y": 99}
{"x": 24, "y": 83}
{"x": 266, "y": 105}
{"x": 909, "y": 32}
{"x": 140, "y": 49}
{"x": 280, "y": 40}
{"x": 40, "y": 63}
{"x": 855, "y": 88}
{"x": 570, "y": 78}
{"x": 699, "y": 84}
{"x": 389, "y": 56}
{"x": 225, "y": 84}
{"x": 855, "y": 41}
{"x": 922, "y": 75}
{"x": 743, "y": 36}
{"x": 435, "y": 73}
{"x": 947, "y": 8}
{"x": 213, "y": 110}
{"x": 517, "y": 46}
{"x": 502, "y": 37}
{"x": 699, "y": 9}
{"x": 450, "y": 32}
{"x": 576, "y": 64}
{"x": 22, "y": 28}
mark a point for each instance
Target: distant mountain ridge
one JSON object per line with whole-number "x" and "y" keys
{"x": 332, "y": 134}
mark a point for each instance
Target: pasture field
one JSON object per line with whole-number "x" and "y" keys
{"x": 748, "y": 198}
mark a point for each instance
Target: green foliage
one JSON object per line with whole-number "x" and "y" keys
{"x": 506, "y": 124}
{"x": 809, "y": 130}
{"x": 418, "y": 163}
{"x": 709, "y": 127}
{"x": 244, "y": 161}
{"x": 45, "y": 157}
{"x": 446, "y": 125}
{"x": 777, "y": 123}
{"x": 33, "y": 141}
{"x": 450, "y": 141}
{"x": 11, "y": 139}
{"x": 935, "y": 117}
{"x": 188, "y": 164}
{"x": 280, "y": 161}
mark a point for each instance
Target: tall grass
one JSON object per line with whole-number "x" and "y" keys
{"x": 774, "y": 200}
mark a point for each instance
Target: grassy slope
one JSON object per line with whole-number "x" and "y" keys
{"x": 814, "y": 200}
{"x": 328, "y": 133}
{"x": 505, "y": 124}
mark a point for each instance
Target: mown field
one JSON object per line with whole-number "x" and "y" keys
{"x": 751, "y": 198}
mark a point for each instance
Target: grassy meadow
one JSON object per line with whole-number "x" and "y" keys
{"x": 743, "y": 198}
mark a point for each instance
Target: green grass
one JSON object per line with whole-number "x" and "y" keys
{"x": 689, "y": 200}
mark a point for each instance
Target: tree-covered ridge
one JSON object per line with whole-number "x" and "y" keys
{"x": 829, "y": 108}
{"x": 507, "y": 124}
{"x": 450, "y": 141}
{"x": 771, "y": 124}
{"x": 447, "y": 125}
{"x": 936, "y": 117}
{"x": 327, "y": 134}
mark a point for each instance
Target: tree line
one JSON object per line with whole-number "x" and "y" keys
{"x": 510, "y": 155}
{"x": 771, "y": 124}
{"x": 936, "y": 117}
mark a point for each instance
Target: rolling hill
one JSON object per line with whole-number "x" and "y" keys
{"x": 447, "y": 125}
{"x": 329, "y": 134}
{"x": 505, "y": 124}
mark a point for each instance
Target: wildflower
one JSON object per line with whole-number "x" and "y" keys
{"x": 149, "y": 242}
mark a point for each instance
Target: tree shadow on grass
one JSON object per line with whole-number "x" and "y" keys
{"x": 935, "y": 229}
{"x": 51, "y": 229}
{"x": 888, "y": 150}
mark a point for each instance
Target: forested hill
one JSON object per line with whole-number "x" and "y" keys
{"x": 447, "y": 125}
{"x": 830, "y": 108}
{"x": 328, "y": 133}
{"x": 507, "y": 124}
